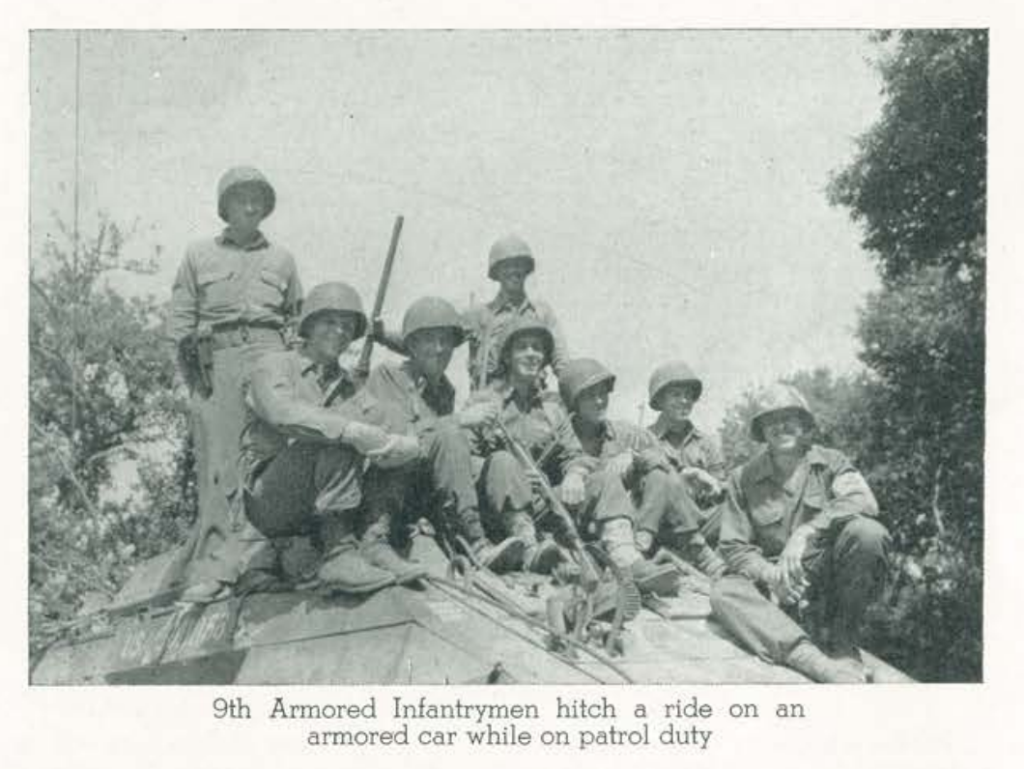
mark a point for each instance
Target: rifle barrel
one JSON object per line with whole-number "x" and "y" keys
{"x": 363, "y": 367}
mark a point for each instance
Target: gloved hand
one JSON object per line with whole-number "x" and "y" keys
{"x": 479, "y": 414}
{"x": 573, "y": 489}
{"x": 364, "y": 438}
{"x": 398, "y": 451}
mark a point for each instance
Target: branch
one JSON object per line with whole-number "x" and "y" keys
{"x": 68, "y": 470}
{"x": 936, "y": 510}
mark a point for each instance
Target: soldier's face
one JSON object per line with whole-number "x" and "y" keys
{"x": 245, "y": 208}
{"x": 512, "y": 275}
{"x": 431, "y": 350}
{"x": 527, "y": 355}
{"x": 330, "y": 333}
{"x": 784, "y": 431}
{"x": 592, "y": 404}
{"x": 677, "y": 401}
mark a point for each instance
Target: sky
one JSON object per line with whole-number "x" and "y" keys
{"x": 672, "y": 185}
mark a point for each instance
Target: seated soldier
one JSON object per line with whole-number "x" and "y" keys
{"x": 800, "y": 525}
{"x": 536, "y": 420}
{"x": 305, "y": 443}
{"x": 666, "y": 513}
{"x": 417, "y": 398}
{"x": 673, "y": 390}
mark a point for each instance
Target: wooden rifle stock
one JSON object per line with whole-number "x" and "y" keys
{"x": 363, "y": 366}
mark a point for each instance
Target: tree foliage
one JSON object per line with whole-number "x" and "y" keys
{"x": 101, "y": 393}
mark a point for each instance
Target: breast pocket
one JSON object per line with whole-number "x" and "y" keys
{"x": 270, "y": 289}
{"x": 217, "y": 289}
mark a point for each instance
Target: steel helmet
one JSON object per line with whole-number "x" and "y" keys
{"x": 523, "y": 325}
{"x": 506, "y": 249}
{"x": 243, "y": 175}
{"x": 673, "y": 372}
{"x": 579, "y": 375}
{"x": 432, "y": 312}
{"x": 339, "y": 297}
{"x": 773, "y": 399}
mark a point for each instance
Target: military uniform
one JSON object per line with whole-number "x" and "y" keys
{"x": 234, "y": 301}
{"x": 845, "y": 561}
{"x": 491, "y": 321}
{"x": 700, "y": 450}
{"x": 412, "y": 406}
{"x": 543, "y": 428}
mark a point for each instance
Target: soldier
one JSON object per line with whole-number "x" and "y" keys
{"x": 231, "y": 301}
{"x": 510, "y": 263}
{"x": 418, "y": 399}
{"x": 673, "y": 390}
{"x": 536, "y": 420}
{"x": 306, "y": 441}
{"x": 666, "y": 513}
{"x": 800, "y": 525}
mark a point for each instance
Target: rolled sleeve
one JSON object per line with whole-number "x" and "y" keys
{"x": 183, "y": 312}
{"x": 849, "y": 496}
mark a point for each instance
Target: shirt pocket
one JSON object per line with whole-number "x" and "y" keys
{"x": 270, "y": 289}
{"x": 217, "y": 288}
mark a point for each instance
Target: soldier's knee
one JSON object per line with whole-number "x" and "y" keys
{"x": 729, "y": 590}
{"x": 867, "y": 535}
{"x": 502, "y": 462}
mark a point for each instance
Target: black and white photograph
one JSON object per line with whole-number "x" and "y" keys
{"x": 507, "y": 356}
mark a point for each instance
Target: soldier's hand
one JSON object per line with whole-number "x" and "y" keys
{"x": 779, "y": 584}
{"x": 377, "y": 331}
{"x": 536, "y": 479}
{"x": 621, "y": 464}
{"x": 479, "y": 414}
{"x": 573, "y": 489}
{"x": 791, "y": 561}
{"x": 364, "y": 438}
{"x": 701, "y": 480}
{"x": 398, "y": 451}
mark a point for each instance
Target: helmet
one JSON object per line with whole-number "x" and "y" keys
{"x": 778, "y": 397}
{"x": 340, "y": 297}
{"x": 432, "y": 312}
{"x": 508, "y": 248}
{"x": 243, "y": 175}
{"x": 673, "y": 372}
{"x": 579, "y": 375}
{"x": 523, "y": 325}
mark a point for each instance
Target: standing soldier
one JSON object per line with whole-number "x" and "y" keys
{"x": 306, "y": 441}
{"x": 231, "y": 300}
{"x": 510, "y": 263}
{"x": 419, "y": 400}
{"x": 799, "y": 525}
{"x": 673, "y": 390}
{"x": 666, "y": 512}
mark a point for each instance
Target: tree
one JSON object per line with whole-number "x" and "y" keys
{"x": 101, "y": 391}
{"x": 917, "y": 186}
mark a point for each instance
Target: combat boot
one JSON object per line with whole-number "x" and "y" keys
{"x": 697, "y": 551}
{"x": 808, "y": 659}
{"x": 617, "y": 538}
{"x": 343, "y": 568}
{"x": 377, "y": 551}
{"x": 541, "y": 557}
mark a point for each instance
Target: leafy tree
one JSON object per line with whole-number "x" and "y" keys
{"x": 101, "y": 392}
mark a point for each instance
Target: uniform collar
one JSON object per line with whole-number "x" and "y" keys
{"x": 500, "y": 303}
{"x": 605, "y": 431}
{"x": 507, "y": 392}
{"x": 419, "y": 382}
{"x": 661, "y": 428}
{"x": 761, "y": 467}
{"x": 224, "y": 239}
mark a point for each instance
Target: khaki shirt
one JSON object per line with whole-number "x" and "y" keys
{"x": 617, "y": 437}
{"x": 541, "y": 426}
{"x": 762, "y": 513}
{"x": 697, "y": 449}
{"x": 410, "y": 405}
{"x": 288, "y": 397}
{"x": 220, "y": 282}
{"x": 491, "y": 320}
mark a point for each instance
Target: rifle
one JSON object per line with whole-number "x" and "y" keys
{"x": 588, "y": 572}
{"x": 362, "y": 369}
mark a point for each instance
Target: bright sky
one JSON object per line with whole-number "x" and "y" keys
{"x": 671, "y": 184}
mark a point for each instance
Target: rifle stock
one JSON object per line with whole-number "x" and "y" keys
{"x": 362, "y": 369}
